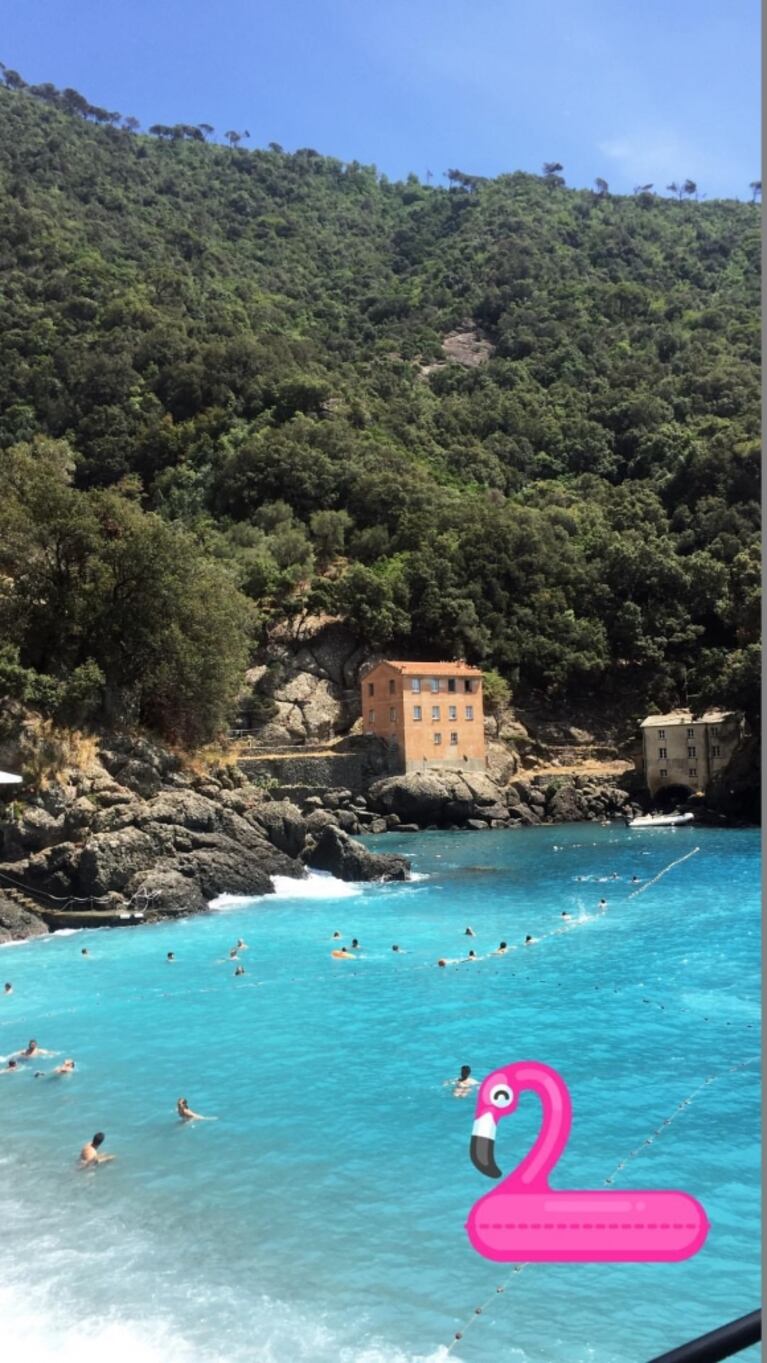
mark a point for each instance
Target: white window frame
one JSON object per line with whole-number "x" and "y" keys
{"x": 434, "y": 684}
{"x": 417, "y": 714}
{"x": 452, "y": 711}
{"x": 470, "y": 712}
{"x": 435, "y": 714}
{"x": 454, "y": 738}
{"x": 437, "y": 739}
{"x": 415, "y": 684}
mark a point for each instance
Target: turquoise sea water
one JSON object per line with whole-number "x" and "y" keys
{"x": 321, "y": 1216}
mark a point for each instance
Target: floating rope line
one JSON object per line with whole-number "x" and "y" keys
{"x": 638, "y": 1150}
{"x": 664, "y": 872}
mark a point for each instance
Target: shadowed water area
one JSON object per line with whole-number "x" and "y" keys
{"x": 321, "y": 1216}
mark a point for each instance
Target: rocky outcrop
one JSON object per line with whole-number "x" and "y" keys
{"x": 432, "y": 797}
{"x": 136, "y": 830}
{"x": 336, "y": 852}
{"x": 16, "y": 923}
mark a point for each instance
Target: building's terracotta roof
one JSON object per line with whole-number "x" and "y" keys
{"x": 455, "y": 669}
{"x": 685, "y": 717}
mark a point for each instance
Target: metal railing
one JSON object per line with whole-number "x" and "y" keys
{"x": 59, "y": 902}
{"x": 718, "y": 1344}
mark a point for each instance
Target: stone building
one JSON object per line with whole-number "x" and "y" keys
{"x": 430, "y": 712}
{"x": 680, "y": 750}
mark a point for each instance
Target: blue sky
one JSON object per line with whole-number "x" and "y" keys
{"x": 632, "y": 90}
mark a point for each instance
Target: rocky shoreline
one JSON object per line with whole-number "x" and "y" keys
{"x": 134, "y": 830}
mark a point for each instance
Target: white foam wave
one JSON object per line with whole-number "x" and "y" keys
{"x": 314, "y": 885}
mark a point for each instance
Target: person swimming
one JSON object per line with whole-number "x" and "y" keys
{"x": 240, "y": 970}
{"x": 341, "y": 954}
{"x": 396, "y": 948}
{"x": 240, "y": 945}
{"x": 67, "y": 1067}
{"x": 32, "y": 1051}
{"x": 565, "y": 914}
{"x": 336, "y": 936}
{"x": 635, "y": 880}
{"x": 170, "y": 956}
{"x": 502, "y": 949}
{"x": 355, "y": 945}
{"x": 83, "y": 951}
{"x": 187, "y": 1115}
{"x": 12, "y": 1067}
{"x": 472, "y": 956}
{"x": 529, "y": 940}
{"x": 442, "y": 962}
{"x": 470, "y": 933}
{"x": 7, "y": 988}
{"x": 463, "y": 1085}
{"x": 602, "y": 905}
{"x": 90, "y": 1151}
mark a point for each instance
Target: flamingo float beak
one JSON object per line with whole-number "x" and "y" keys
{"x": 482, "y": 1148}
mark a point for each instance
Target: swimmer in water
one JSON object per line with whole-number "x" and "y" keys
{"x": 463, "y": 1085}
{"x": 396, "y": 948}
{"x": 470, "y": 933}
{"x": 343, "y": 955}
{"x": 170, "y": 956}
{"x": 83, "y": 951}
{"x": 32, "y": 1051}
{"x": 472, "y": 956}
{"x": 66, "y": 1068}
{"x": 602, "y": 905}
{"x": 564, "y": 914}
{"x": 336, "y": 936}
{"x": 185, "y": 1113}
{"x": 529, "y": 940}
{"x": 502, "y": 949}
{"x": 240, "y": 970}
{"x": 233, "y": 954}
{"x": 614, "y": 875}
{"x": 90, "y": 1152}
{"x": 355, "y": 945}
{"x": 240, "y": 945}
{"x": 12, "y": 1067}
{"x": 635, "y": 880}
{"x": 7, "y": 988}
{"x": 442, "y": 962}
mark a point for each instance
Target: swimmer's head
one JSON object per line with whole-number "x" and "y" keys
{"x": 7, "y": 988}
{"x": 355, "y": 943}
{"x": 528, "y": 939}
{"x": 472, "y": 955}
{"x": 170, "y": 956}
{"x": 395, "y": 948}
{"x": 465, "y": 1071}
{"x": 502, "y": 947}
{"x": 442, "y": 961}
{"x": 31, "y": 1045}
{"x": 83, "y": 951}
{"x": 336, "y": 934}
{"x": 12, "y": 1064}
{"x": 98, "y": 1140}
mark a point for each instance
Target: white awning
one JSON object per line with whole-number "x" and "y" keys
{"x": 7, "y": 778}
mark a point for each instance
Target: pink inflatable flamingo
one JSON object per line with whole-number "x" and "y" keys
{"x": 524, "y": 1220}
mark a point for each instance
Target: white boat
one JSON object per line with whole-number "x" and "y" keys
{"x": 660, "y": 820}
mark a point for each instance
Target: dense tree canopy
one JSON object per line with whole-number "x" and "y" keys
{"x": 243, "y": 353}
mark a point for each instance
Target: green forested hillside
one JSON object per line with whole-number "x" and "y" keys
{"x": 239, "y": 353}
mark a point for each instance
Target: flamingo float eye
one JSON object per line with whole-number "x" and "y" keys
{"x": 500, "y": 1096}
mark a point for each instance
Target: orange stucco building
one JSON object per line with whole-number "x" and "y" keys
{"x": 432, "y": 712}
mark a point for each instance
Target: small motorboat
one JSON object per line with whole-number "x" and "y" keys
{"x": 660, "y": 820}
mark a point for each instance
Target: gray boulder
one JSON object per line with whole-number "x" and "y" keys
{"x": 432, "y": 797}
{"x": 165, "y": 891}
{"x": 567, "y": 805}
{"x": 336, "y": 852}
{"x": 319, "y": 819}
{"x": 283, "y": 824}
